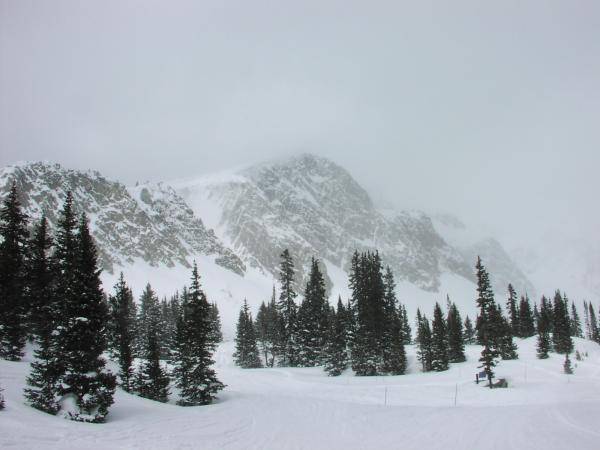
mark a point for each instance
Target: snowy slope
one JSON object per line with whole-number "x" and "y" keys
{"x": 152, "y": 232}
{"x": 281, "y": 409}
{"x": 149, "y": 223}
{"x": 314, "y": 207}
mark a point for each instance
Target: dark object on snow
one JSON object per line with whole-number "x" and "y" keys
{"x": 501, "y": 383}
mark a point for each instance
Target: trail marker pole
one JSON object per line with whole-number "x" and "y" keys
{"x": 455, "y": 393}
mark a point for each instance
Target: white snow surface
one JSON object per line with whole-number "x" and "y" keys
{"x": 228, "y": 290}
{"x": 284, "y": 408}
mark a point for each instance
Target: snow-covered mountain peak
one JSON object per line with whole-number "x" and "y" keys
{"x": 150, "y": 223}
{"x": 314, "y": 207}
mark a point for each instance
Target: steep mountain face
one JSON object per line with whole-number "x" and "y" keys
{"x": 306, "y": 204}
{"x": 149, "y": 223}
{"x": 315, "y": 208}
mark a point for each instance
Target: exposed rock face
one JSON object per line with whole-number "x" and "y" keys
{"x": 314, "y": 207}
{"x": 307, "y": 204}
{"x": 150, "y": 223}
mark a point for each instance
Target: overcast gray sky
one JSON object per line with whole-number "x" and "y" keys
{"x": 490, "y": 110}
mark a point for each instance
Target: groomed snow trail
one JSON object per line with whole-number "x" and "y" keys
{"x": 304, "y": 409}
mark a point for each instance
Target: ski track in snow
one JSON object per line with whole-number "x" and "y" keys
{"x": 285, "y": 408}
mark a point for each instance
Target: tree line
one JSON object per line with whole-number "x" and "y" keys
{"x": 50, "y": 293}
{"x": 369, "y": 332}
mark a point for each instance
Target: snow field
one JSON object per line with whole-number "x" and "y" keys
{"x": 302, "y": 408}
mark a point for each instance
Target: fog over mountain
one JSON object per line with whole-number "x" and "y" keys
{"x": 484, "y": 113}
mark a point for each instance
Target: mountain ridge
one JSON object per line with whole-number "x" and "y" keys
{"x": 315, "y": 207}
{"x": 127, "y": 223}
{"x": 306, "y": 203}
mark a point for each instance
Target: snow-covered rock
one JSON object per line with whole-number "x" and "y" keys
{"x": 314, "y": 207}
{"x": 149, "y": 223}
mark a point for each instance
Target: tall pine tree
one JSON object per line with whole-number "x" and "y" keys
{"x": 71, "y": 375}
{"x": 576, "y": 330}
{"x": 394, "y": 354}
{"x": 41, "y": 278}
{"x": 288, "y": 313}
{"x": 526, "y": 320}
{"x": 469, "y": 331}
{"x": 81, "y": 337}
{"x": 336, "y": 356}
{"x": 195, "y": 378}
{"x": 544, "y": 343}
{"x": 456, "y": 339}
{"x": 151, "y": 379}
{"x": 123, "y": 316}
{"x": 406, "y": 330}
{"x": 312, "y": 319}
{"x": 561, "y": 337}
{"x": 424, "y": 347}
{"x": 13, "y": 273}
{"x": 369, "y": 321}
{"x": 246, "y": 350}
{"x": 439, "y": 341}
{"x": 513, "y": 311}
{"x": 594, "y": 330}
{"x": 486, "y": 331}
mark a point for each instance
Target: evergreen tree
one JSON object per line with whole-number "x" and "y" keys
{"x": 336, "y": 356}
{"x": 394, "y": 355}
{"x": 268, "y": 326}
{"x": 13, "y": 267}
{"x": 561, "y": 338}
{"x": 586, "y": 316}
{"x": 151, "y": 379}
{"x": 246, "y": 351}
{"x": 406, "y": 330}
{"x": 487, "y": 306}
{"x": 594, "y": 331}
{"x": 513, "y": 311}
{"x": 469, "y": 332}
{"x": 546, "y": 319}
{"x": 456, "y": 338}
{"x": 424, "y": 343}
{"x": 80, "y": 337}
{"x": 165, "y": 334}
{"x": 526, "y": 320}
{"x": 263, "y": 326}
{"x": 576, "y": 330}
{"x": 194, "y": 375}
{"x": 46, "y": 370}
{"x": 148, "y": 306}
{"x": 545, "y": 324}
{"x": 41, "y": 276}
{"x": 43, "y": 376}
{"x": 503, "y": 334}
{"x": 84, "y": 338}
{"x": 312, "y": 320}
{"x": 172, "y": 317}
{"x": 439, "y": 341}
{"x": 368, "y": 305}
{"x": 567, "y": 365}
{"x": 288, "y": 313}
{"x": 544, "y": 344}
{"x": 536, "y": 316}
{"x": 215, "y": 320}
{"x": 122, "y": 315}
